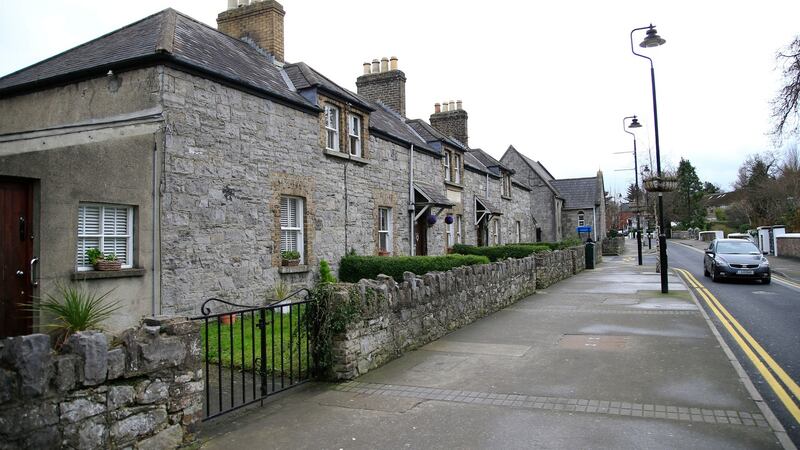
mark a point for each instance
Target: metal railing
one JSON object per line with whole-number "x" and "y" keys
{"x": 254, "y": 352}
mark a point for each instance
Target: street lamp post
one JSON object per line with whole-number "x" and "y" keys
{"x": 652, "y": 39}
{"x": 635, "y": 124}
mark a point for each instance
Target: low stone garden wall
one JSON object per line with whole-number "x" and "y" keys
{"x": 398, "y": 317}
{"x": 613, "y": 246}
{"x": 788, "y": 246}
{"x": 552, "y": 267}
{"x": 143, "y": 389}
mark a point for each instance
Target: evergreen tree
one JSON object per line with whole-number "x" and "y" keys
{"x": 687, "y": 203}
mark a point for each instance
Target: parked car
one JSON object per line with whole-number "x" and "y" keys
{"x": 735, "y": 259}
{"x": 744, "y": 236}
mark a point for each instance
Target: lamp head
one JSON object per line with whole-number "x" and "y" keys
{"x": 652, "y": 39}
{"x": 635, "y": 123}
{"x": 646, "y": 170}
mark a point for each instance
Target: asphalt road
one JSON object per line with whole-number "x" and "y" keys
{"x": 769, "y": 313}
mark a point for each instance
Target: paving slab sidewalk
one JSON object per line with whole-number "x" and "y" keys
{"x": 600, "y": 360}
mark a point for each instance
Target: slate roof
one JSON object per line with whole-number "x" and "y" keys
{"x": 384, "y": 120}
{"x": 493, "y": 165}
{"x": 304, "y": 77}
{"x": 430, "y": 134}
{"x": 435, "y": 195}
{"x": 577, "y": 192}
{"x": 471, "y": 162}
{"x": 165, "y": 37}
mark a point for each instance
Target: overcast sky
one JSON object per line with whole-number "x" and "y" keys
{"x": 554, "y": 79}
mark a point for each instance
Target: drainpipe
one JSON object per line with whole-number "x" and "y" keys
{"x": 487, "y": 187}
{"x": 411, "y": 209}
{"x": 155, "y": 215}
{"x": 594, "y": 224}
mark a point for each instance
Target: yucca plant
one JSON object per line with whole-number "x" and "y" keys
{"x": 76, "y": 309}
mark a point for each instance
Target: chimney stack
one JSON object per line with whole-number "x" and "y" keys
{"x": 258, "y": 20}
{"x": 385, "y": 83}
{"x": 451, "y": 121}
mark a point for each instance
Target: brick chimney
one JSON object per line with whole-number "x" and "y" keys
{"x": 382, "y": 81}
{"x": 451, "y": 119}
{"x": 258, "y": 20}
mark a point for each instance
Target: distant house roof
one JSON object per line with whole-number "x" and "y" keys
{"x": 721, "y": 199}
{"x": 167, "y": 37}
{"x": 578, "y": 192}
{"x": 303, "y": 77}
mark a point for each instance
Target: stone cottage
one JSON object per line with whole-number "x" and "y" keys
{"x": 196, "y": 156}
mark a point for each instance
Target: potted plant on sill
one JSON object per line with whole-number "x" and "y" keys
{"x": 103, "y": 262}
{"x": 290, "y": 258}
{"x": 383, "y": 253}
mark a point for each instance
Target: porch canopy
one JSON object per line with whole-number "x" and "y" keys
{"x": 484, "y": 210}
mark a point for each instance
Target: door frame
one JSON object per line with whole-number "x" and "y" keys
{"x": 31, "y": 229}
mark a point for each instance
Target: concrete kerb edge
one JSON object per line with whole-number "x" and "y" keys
{"x": 776, "y": 426}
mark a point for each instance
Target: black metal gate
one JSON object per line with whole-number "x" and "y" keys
{"x": 251, "y": 352}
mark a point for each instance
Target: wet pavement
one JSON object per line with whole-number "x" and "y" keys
{"x": 600, "y": 360}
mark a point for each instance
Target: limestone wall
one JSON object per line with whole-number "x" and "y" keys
{"x": 613, "y": 246}
{"x": 552, "y": 267}
{"x": 788, "y": 246}
{"x": 143, "y": 389}
{"x": 402, "y": 316}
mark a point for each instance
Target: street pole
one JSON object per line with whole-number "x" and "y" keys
{"x": 653, "y": 40}
{"x": 635, "y": 124}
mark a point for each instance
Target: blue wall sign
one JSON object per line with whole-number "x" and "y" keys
{"x": 584, "y": 229}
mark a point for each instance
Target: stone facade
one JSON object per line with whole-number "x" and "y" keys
{"x": 544, "y": 203}
{"x": 145, "y": 392}
{"x": 402, "y": 317}
{"x": 613, "y": 246}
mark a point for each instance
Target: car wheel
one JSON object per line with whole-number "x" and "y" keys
{"x": 714, "y": 275}
{"x": 767, "y": 280}
{"x": 705, "y": 272}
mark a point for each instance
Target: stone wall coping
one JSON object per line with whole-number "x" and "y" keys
{"x": 106, "y": 274}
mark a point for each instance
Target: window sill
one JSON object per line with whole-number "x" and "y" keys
{"x": 342, "y": 155}
{"x": 106, "y": 274}
{"x": 452, "y": 184}
{"x": 505, "y": 197}
{"x": 302, "y": 268}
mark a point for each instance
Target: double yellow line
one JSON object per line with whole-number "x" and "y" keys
{"x": 751, "y": 347}
{"x": 785, "y": 281}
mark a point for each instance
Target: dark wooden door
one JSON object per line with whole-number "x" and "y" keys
{"x": 483, "y": 234}
{"x": 16, "y": 252}
{"x": 421, "y": 236}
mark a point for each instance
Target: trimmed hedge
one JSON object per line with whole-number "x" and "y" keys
{"x": 560, "y": 245}
{"x": 498, "y": 252}
{"x": 353, "y": 268}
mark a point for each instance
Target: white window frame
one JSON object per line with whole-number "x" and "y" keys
{"x": 581, "y": 219}
{"x": 446, "y": 162}
{"x": 496, "y": 232}
{"x": 457, "y": 168}
{"x": 332, "y": 128}
{"x": 450, "y": 230}
{"x": 387, "y": 212}
{"x": 354, "y": 134}
{"x": 459, "y": 229}
{"x": 299, "y": 230}
{"x": 507, "y": 185}
{"x": 81, "y": 261}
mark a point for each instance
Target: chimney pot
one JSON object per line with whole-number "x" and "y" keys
{"x": 452, "y": 105}
{"x": 384, "y": 64}
{"x": 233, "y": 4}
{"x": 458, "y": 104}
{"x": 445, "y": 107}
{"x": 366, "y": 68}
{"x": 393, "y": 63}
{"x": 376, "y": 66}
{"x": 437, "y": 108}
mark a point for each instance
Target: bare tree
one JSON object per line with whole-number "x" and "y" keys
{"x": 786, "y": 105}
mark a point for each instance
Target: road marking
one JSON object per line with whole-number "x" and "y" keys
{"x": 748, "y": 345}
